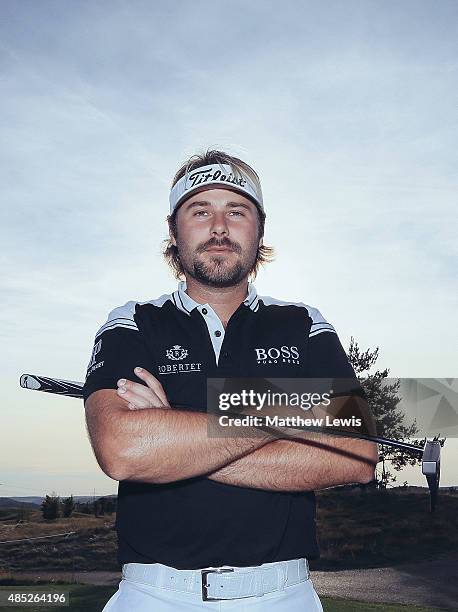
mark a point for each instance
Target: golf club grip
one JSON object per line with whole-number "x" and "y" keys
{"x": 69, "y": 388}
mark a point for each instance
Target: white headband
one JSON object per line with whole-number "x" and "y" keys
{"x": 217, "y": 175}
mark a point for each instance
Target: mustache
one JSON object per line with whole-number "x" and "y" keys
{"x": 224, "y": 242}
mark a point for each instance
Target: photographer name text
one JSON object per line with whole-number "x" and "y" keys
{"x": 289, "y": 421}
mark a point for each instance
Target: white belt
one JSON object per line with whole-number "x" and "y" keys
{"x": 219, "y": 583}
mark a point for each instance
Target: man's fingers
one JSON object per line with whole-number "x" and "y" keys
{"x": 138, "y": 401}
{"x": 137, "y": 388}
{"x": 152, "y": 383}
{"x": 135, "y": 402}
{"x": 139, "y": 395}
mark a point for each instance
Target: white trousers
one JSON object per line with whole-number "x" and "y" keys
{"x": 134, "y": 596}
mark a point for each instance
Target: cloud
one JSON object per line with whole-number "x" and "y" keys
{"x": 347, "y": 110}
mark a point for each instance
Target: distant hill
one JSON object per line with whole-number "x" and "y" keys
{"x": 11, "y": 502}
{"x": 35, "y": 501}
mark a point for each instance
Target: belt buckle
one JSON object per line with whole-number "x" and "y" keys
{"x": 219, "y": 570}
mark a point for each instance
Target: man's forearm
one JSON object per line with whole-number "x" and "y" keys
{"x": 315, "y": 462}
{"x": 158, "y": 445}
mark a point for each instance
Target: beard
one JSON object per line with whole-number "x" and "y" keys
{"x": 218, "y": 273}
{"x": 219, "y": 270}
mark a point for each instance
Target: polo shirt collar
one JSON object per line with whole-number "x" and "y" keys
{"x": 185, "y": 303}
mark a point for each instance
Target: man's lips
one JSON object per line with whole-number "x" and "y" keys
{"x": 219, "y": 249}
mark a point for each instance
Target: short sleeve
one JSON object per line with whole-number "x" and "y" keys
{"x": 119, "y": 347}
{"x": 326, "y": 357}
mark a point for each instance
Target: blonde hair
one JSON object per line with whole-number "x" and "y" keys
{"x": 238, "y": 167}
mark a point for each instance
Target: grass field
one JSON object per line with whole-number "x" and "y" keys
{"x": 355, "y": 530}
{"x": 362, "y": 529}
{"x": 85, "y": 598}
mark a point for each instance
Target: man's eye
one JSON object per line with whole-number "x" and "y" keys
{"x": 236, "y": 212}
{"x": 199, "y": 213}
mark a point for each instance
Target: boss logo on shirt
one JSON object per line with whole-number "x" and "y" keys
{"x": 284, "y": 354}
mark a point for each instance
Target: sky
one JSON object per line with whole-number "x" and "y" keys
{"x": 348, "y": 111}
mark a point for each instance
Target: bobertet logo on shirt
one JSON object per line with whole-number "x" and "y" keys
{"x": 177, "y": 368}
{"x": 178, "y": 353}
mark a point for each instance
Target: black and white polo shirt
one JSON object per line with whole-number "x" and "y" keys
{"x": 196, "y": 523}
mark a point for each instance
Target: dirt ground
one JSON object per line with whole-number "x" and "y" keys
{"x": 427, "y": 583}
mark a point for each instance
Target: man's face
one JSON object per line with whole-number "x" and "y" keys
{"x": 217, "y": 237}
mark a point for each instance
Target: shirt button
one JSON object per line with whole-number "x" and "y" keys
{"x": 217, "y": 333}
{"x": 204, "y": 311}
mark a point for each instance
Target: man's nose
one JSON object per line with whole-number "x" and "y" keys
{"x": 219, "y": 225}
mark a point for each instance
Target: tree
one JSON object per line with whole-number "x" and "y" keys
{"x": 24, "y": 513}
{"x": 50, "y": 506}
{"x": 383, "y": 402}
{"x": 110, "y": 505}
{"x": 84, "y": 507}
{"x": 68, "y": 506}
{"x": 99, "y": 506}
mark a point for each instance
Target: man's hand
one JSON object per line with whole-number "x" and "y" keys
{"x": 138, "y": 396}
{"x": 314, "y": 463}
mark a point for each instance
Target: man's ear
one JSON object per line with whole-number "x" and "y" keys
{"x": 260, "y": 241}
{"x": 171, "y": 236}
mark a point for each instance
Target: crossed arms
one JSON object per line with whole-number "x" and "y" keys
{"x": 134, "y": 441}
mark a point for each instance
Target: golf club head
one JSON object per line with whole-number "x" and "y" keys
{"x": 430, "y": 467}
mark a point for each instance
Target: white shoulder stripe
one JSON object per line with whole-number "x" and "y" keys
{"x": 270, "y": 301}
{"x": 320, "y": 327}
{"x": 320, "y": 331}
{"x": 319, "y": 323}
{"x": 123, "y": 316}
{"x": 160, "y": 301}
{"x": 116, "y": 323}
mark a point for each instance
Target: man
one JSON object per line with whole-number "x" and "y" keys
{"x": 213, "y": 522}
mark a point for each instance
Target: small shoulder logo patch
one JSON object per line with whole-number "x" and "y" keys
{"x": 176, "y": 353}
{"x": 95, "y": 351}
